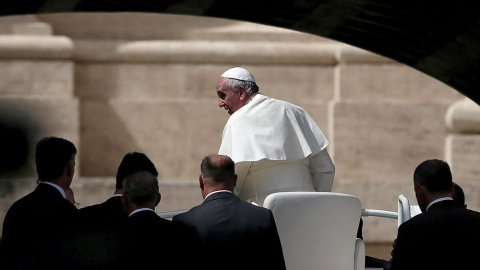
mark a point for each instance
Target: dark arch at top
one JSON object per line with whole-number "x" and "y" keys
{"x": 438, "y": 38}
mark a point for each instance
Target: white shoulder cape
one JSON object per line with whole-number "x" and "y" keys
{"x": 267, "y": 128}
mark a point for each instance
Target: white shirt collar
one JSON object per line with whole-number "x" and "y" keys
{"x": 55, "y": 186}
{"x": 140, "y": 210}
{"x": 439, "y": 200}
{"x": 218, "y": 191}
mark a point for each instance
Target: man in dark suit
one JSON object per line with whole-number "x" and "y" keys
{"x": 444, "y": 235}
{"x": 96, "y": 240}
{"x": 238, "y": 234}
{"x": 35, "y": 226}
{"x": 151, "y": 240}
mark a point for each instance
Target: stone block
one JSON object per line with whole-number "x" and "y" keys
{"x": 131, "y": 80}
{"x": 463, "y": 116}
{"x": 295, "y": 84}
{"x": 175, "y": 135}
{"x": 351, "y": 54}
{"x": 385, "y": 142}
{"x": 35, "y": 118}
{"x": 179, "y": 81}
{"x": 463, "y": 157}
{"x": 35, "y": 47}
{"x": 391, "y": 82}
{"x": 6, "y": 22}
{"x": 201, "y": 52}
{"x": 32, "y": 29}
{"x": 31, "y": 78}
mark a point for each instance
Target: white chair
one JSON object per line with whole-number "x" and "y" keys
{"x": 318, "y": 230}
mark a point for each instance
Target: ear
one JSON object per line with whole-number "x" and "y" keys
{"x": 417, "y": 186}
{"x": 70, "y": 169}
{"x": 243, "y": 93}
{"x": 235, "y": 180}
{"x": 200, "y": 181}
{"x": 159, "y": 198}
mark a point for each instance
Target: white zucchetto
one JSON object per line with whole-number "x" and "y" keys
{"x": 238, "y": 73}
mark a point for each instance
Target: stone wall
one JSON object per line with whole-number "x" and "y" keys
{"x": 114, "y": 83}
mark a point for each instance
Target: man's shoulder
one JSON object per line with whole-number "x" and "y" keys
{"x": 111, "y": 203}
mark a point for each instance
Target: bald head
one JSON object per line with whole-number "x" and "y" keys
{"x": 217, "y": 173}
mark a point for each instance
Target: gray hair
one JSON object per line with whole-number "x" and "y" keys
{"x": 250, "y": 87}
{"x": 141, "y": 187}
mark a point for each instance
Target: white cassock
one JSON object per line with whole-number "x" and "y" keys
{"x": 276, "y": 146}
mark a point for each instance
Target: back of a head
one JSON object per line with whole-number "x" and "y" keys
{"x": 141, "y": 188}
{"x": 435, "y": 175}
{"x": 219, "y": 169}
{"x": 52, "y": 156}
{"x": 134, "y": 162}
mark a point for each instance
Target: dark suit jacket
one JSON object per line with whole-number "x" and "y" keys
{"x": 95, "y": 241}
{"x": 34, "y": 230}
{"x": 444, "y": 237}
{"x": 154, "y": 241}
{"x": 236, "y": 234}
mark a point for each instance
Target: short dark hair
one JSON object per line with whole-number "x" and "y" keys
{"x": 435, "y": 175}
{"x": 141, "y": 187}
{"x": 131, "y": 163}
{"x": 458, "y": 196}
{"x": 221, "y": 171}
{"x": 52, "y": 156}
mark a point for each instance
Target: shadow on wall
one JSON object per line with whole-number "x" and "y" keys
{"x": 14, "y": 147}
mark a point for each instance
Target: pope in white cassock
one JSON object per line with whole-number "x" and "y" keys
{"x": 276, "y": 145}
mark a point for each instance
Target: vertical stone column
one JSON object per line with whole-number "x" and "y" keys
{"x": 36, "y": 100}
{"x": 463, "y": 145}
{"x": 36, "y": 91}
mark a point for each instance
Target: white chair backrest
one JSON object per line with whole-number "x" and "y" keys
{"x": 415, "y": 210}
{"x": 317, "y": 229}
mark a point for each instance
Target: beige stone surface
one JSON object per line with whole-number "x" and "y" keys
{"x": 464, "y": 157}
{"x": 463, "y": 116}
{"x": 35, "y": 47}
{"x": 148, "y": 81}
{"x": 350, "y": 54}
{"x": 32, "y": 29}
{"x": 391, "y": 82}
{"x": 175, "y": 136}
{"x": 30, "y": 78}
{"x": 385, "y": 142}
{"x": 173, "y": 51}
{"x": 184, "y": 81}
{"x": 7, "y": 22}
{"x": 295, "y": 84}
{"x": 40, "y": 117}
